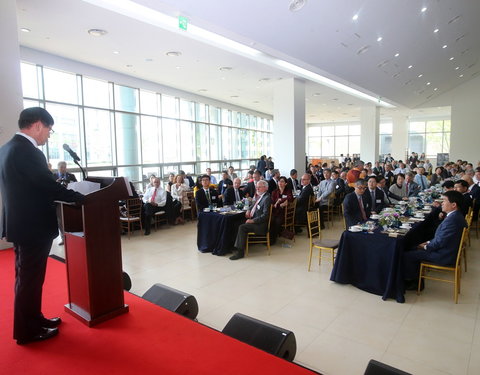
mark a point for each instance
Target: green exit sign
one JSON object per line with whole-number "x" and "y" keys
{"x": 182, "y": 22}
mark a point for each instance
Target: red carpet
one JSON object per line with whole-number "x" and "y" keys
{"x": 147, "y": 340}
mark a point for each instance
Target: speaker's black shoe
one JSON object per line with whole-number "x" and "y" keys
{"x": 237, "y": 255}
{"x": 51, "y": 323}
{"x": 45, "y": 334}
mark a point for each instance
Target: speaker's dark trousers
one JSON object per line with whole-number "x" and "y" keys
{"x": 30, "y": 267}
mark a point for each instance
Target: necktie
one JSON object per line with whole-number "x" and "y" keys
{"x": 372, "y": 193}
{"x": 255, "y": 206}
{"x": 407, "y": 189}
{"x": 153, "y": 196}
{"x": 423, "y": 183}
{"x": 207, "y": 193}
{"x": 362, "y": 209}
{"x": 237, "y": 196}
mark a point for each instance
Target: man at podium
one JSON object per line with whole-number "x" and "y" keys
{"x": 29, "y": 219}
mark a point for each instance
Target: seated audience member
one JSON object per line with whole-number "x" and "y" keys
{"x": 179, "y": 194}
{"x": 424, "y": 230}
{"x": 474, "y": 190}
{"x": 356, "y": 208}
{"x": 421, "y": 179}
{"x": 354, "y": 174}
{"x": 442, "y": 249}
{"x": 398, "y": 190}
{"x": 314, "y": 180}
{"x": 462, "y": 187}
{"x": 382, "y": 185}
{"x": 292, "y": 183}
{"x": 437, "y": 177}
{"x": 325, "y": 190}
{"x": 273, "y": 182}
{"x": 339, "y": 187}
{"x": 171, "y": 181}
{"x": 476, "y": 177}
{"x": 303, "y": 201}
{"x": 378, "y": 169}
{"x": 257, "y": 220}
{"x": 428, "y": 167}
{"x": 249, "y": 176}
{"x": 411, "y": 186}
{"x": 62, "y": 176}
{"x": 279, "y": 199}
{"x": 213, "y": 179}
{"x": 250, "y": 189}
{"x": 231, "y": 173}
{"x": 224, "y": 184}
{"x": 188, "y": 180}
{"x": 389, "y": 176}
{"x": 374, "y": 195}
{"x": 207, "y": 195}
{"x": 154, "y": 199}
{"x": 234, "y": 193}
{"x": 402, "y": 168}
{"x": 448, "y": 185}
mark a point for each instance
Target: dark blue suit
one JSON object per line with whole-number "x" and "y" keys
{"x": 351, "y": 208}
{"x": 441, "y": 250}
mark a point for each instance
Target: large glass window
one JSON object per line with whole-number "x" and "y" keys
{"x": 96, "y": 93}
{"x": 60, "y": 86}
{"x": 332, "y": 140}
{"x": 99, "y": 137}
{"x": 386, "y": 130}
{"x": 429, "y": 136}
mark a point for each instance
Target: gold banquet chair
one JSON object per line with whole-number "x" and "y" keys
{"x": 253, "y": 238}
{"x": 289, "y": 222}
{"x": 132, "y": 215}
{"x": 316, "y": 241}
{"x": 456, "y": 270}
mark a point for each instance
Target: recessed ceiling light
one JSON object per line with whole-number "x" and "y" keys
{"x": 444, "y": 46}
{"x": 428, "y": 83}
{"x": 225, "y": 68}
{"x": 234, "y": 96}
{"x": 451, "y": 58}
{"x": 178, "y": 67}
{"x": 115, "y": 52}
{"x": 296, "y": 5}
{"x": 129, "y": 65}
{"x": 173, "y": 54}
{"x": 457, "y": 68}
{"x": 355, "y": 17}
{"x": 410, "y": 66}
{"x": 420, "y": 75}
{"x": 435, "y": 89}
{"x": 202, "y": 90}
{"x": 461, "y": 75}
{"x": 148, "y": 60}
{"x": 25, "y": 30}
{"x": 222, "y": 78}
{"x": 264, "y": 80}
{"x": 317, "y": 94}
{"x": 397, "y": 54}
{"x": 255, "y": 102}
{"x": 435, "y": 31}
{"x": 97, "y": 32}
{"x": 424, "y": 9}
{"x": 379, "y": 39}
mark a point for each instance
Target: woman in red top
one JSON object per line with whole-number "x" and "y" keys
{"x": 280, "y": 198}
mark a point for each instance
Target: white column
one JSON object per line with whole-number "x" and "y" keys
{"x": 289, "y": 126}
{"x": 399, "y": 136}
{"x": 11, "y": 102}
{"x": 369, "y": 141}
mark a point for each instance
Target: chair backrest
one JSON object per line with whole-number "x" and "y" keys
{"x": 311, "y": 202}
{"x": 269, "y": 218}
{"x": 134, "y": 207}
{"x": 313, "y": 221}
{"x": 461, "y": 246}
{"x": 290, "y": 214}
{"x": 344, "y": 220}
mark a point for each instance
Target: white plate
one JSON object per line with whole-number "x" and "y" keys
{"x": 374, "y": 217}
{"x": 355, "y": 229}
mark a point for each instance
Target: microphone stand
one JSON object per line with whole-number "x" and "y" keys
{"x": 83, "y": 170}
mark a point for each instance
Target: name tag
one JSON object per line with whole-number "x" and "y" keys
{"x": 284, "y": 196}
{"x": 213, "y": 198}
{"x": 378, "y": 201}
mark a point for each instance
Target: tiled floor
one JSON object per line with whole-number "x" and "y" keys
{"x": 338, "y": 328}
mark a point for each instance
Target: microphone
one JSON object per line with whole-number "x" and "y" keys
{"x": 72, "y": 153}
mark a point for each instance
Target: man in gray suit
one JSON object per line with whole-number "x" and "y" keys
{"x": 257, "y": 220}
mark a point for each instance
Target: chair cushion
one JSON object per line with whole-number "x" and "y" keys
{"x": 159, "y": 213}
{"x": 333, "y": 244}
{"x": 129, "y": 219}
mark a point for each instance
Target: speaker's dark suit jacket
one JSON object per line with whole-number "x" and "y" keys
{"x": 230, "y": 196}
{"x": 29, "y": 220}
{"x": 202, "y": 201}
{"x": 441, "y": 250}
{"x": 351, "y": 208}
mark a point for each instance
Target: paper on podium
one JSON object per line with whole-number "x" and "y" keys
{"x": 84, "y": 187}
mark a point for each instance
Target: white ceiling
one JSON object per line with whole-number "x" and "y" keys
{"x": 321, "y": 37}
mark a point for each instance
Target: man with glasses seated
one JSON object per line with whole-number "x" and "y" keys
{"x": 207, "y": 196}
{"x": 356, "y": 207}
{"x": 302, "y": 201}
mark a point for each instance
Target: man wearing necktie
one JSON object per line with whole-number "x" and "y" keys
{"x": 420, "y": 178}
{"x": 376, "y": 196}
{"x": 257, "y": 220}
{"x": 356, "y": 206}
{"x": 62, "y": 176}
{"x": 155, "y": 199}
{"x": 234, "y": 194}
{"x": 207, "y": 196}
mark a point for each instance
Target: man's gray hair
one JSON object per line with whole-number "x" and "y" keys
{"x": 360, "y": 182}
{"x": 263, "y": 182}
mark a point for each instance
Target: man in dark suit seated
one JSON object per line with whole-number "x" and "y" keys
{"x": 62, "y": 176}
{"x": 234, "y": 193}
{"x": 412, "y": 187}
{"x": 273, "y": 182}
{"x": 206, "y": 196}
{"x": 442, "y": 249}
{"x": 257, "y": 220}
{"x": 224, "y": 184}
{"x": 462, "y": 187}
{"x": 250, "y": 189}
{"x": 292, "y": 182}
{"x": 29, "y": 220}
{"x": 303, "y": 201}
{"x": 374, "y": 195}
{"x": 356, "y": 207}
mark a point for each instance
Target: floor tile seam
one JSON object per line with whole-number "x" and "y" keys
{"x": 477, "y": 324}
{"x": 400, "y": 327}
{"x": 416, "y": 361}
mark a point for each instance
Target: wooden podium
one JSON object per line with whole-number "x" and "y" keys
{"x": 93, "y": 253}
